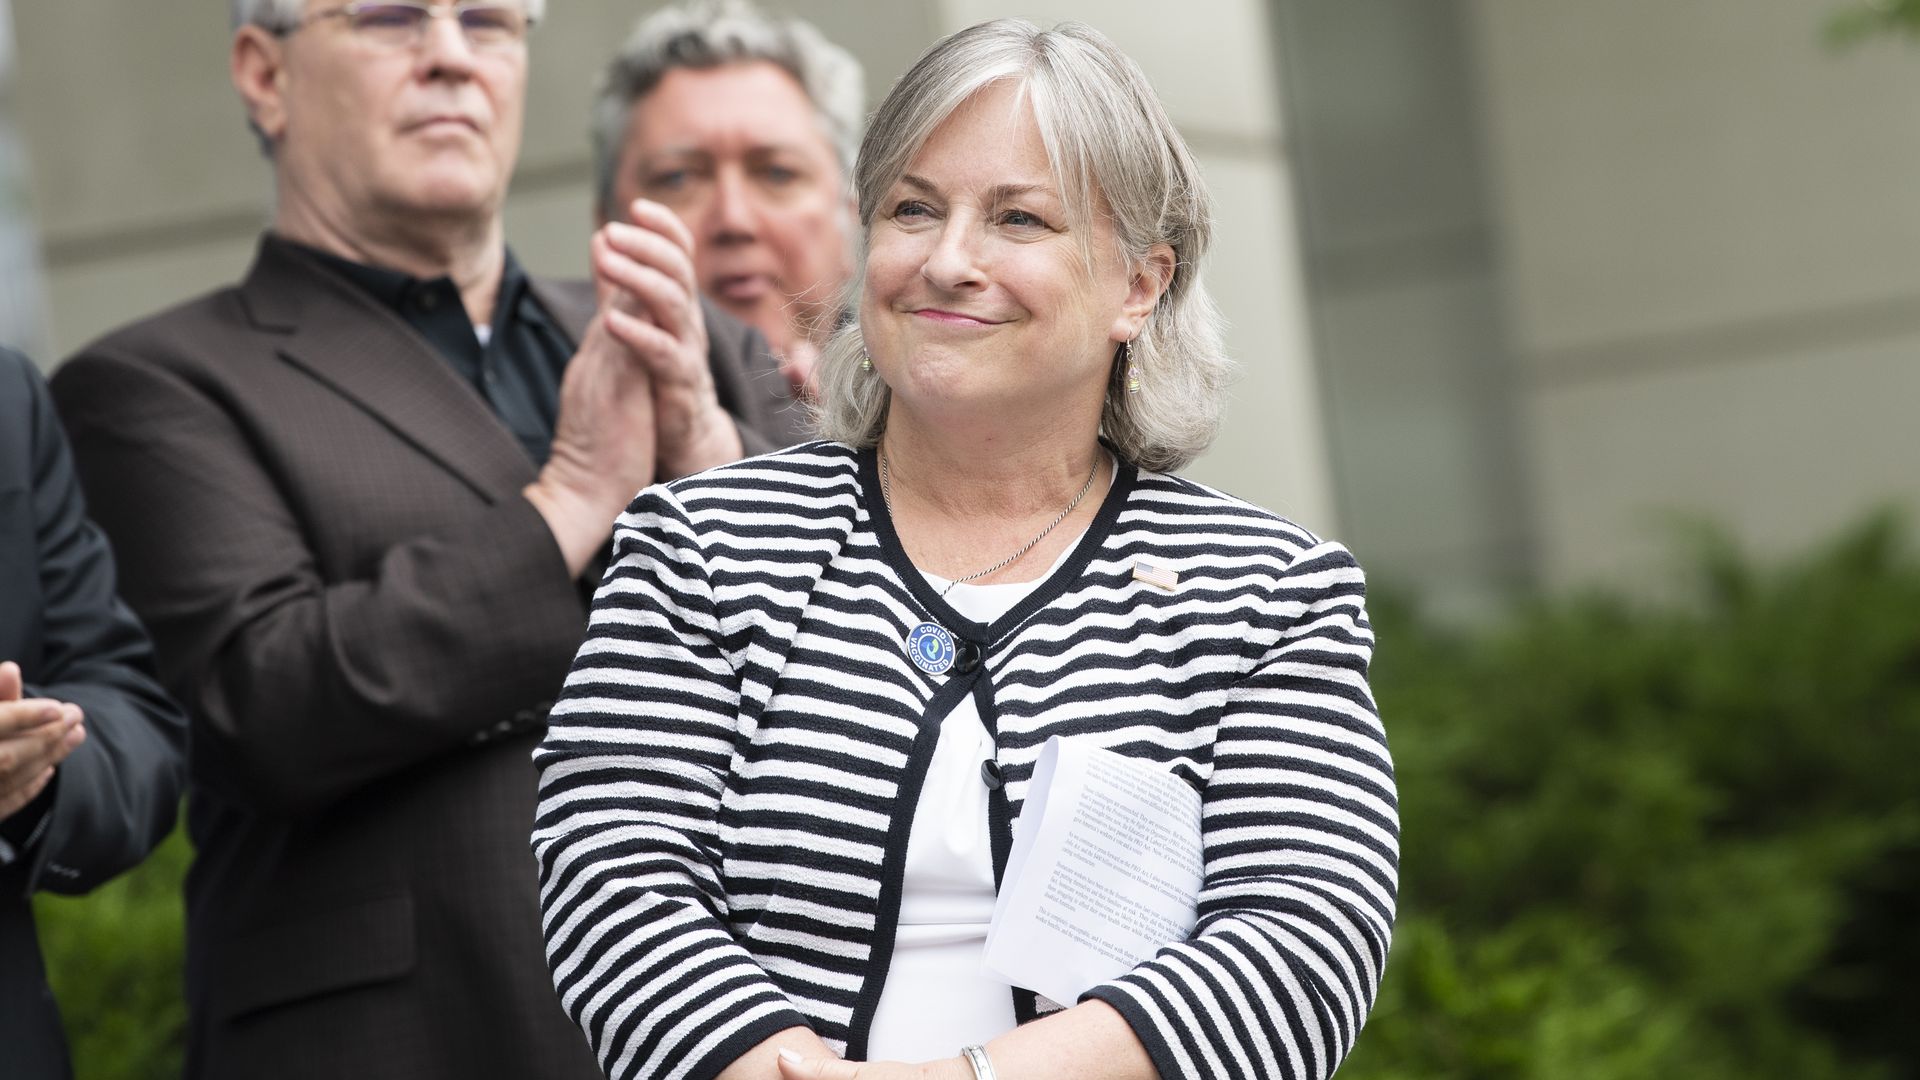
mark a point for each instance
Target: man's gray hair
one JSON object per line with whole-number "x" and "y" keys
{"x": 709, "y": 34}
{"x": 284, "y": 14}
{"x": 1113, "y": 150}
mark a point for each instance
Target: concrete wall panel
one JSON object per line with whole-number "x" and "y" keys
{"x": 1208, "y": 60}
{"x": 1666, "y": 167}
{"x": 1782, "y": 452}
{"x": 1272, "y": 448}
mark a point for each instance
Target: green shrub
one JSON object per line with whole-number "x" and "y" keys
{"x": 116, "y": 959}
{"x": 1661, "y": 840}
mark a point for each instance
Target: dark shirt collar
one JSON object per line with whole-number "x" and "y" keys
{"x": 517, "y": 371}
{"x": 397, "y": 288}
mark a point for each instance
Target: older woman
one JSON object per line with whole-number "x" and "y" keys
{"x": 778, "y": 793}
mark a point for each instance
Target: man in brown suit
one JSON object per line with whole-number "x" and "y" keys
{"x": 359, "y": 499}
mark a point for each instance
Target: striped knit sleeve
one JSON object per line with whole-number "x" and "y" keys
{"x": 1300, "y": 831}
{"x": 626, "y": 833}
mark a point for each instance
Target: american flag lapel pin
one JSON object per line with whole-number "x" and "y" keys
{"x": 1157, "y": 576}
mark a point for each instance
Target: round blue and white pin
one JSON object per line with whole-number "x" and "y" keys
{"x": 931, "y": 648}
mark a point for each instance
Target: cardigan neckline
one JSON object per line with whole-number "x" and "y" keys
{"x": 936, "y": 608}
{"x": 977, "y": 683}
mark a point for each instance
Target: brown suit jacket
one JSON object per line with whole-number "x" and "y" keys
{"x": 322, "y": 525}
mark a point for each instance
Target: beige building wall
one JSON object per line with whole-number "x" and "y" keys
{"x": 149, "y": 189}
{"x": 1710, "y": 253}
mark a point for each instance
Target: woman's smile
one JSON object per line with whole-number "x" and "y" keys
{"x": 957, "y": 319}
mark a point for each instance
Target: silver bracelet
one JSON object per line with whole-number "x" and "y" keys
{"x": 982, "y": 1066}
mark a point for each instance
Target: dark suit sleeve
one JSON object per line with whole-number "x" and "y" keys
{"x": 115, "y": 797}
{"x": 306, "y": 687}
{"x": 750, "y": 386}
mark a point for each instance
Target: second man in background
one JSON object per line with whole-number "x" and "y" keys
{"x": 746, "y": 126}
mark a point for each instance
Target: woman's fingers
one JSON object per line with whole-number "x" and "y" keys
{"x": 795, "y": 1067}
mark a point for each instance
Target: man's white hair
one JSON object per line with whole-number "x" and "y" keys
{"x": 269, "y": 14}
{"x": 284, "y": 14}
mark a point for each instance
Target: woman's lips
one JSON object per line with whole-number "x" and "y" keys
{"x": 952, "y": 318}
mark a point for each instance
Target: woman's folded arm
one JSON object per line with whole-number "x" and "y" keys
{"x": 631, "y": 775}
{"x": 1301, "y": 835}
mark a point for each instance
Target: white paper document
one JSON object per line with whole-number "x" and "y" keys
{"x": 1105, "y": 870}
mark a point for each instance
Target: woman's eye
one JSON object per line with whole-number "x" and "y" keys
{"x": 1020, "y": 219}
{"x": 779, "y": 175}
{"x": 911, "y": 211}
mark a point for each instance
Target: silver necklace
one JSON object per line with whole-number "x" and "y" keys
{"x": 886, "y": 496}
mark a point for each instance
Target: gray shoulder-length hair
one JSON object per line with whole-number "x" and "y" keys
{"x": 708, "y": 34}
{"x": 1113, "y": 150}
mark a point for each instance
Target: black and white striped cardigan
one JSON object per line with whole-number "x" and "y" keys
{"x": 730, "y": 775}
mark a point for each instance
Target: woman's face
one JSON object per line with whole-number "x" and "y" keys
{"x": 978, "y": 303}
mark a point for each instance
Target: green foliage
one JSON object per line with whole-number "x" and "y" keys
{"x": 116, "y": 958}
{"x": 1866, "y": 19}
{"x": 1661, "y": 841}
{"x": 1673, "y": 840}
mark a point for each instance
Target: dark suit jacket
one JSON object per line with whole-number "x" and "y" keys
{"x": 323, "y": 527}
{"x": 114, "y": 798}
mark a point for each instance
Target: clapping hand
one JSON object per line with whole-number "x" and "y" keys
{"x": 644, "y": 268}
{"x": 603, "y": 440}
{"x": 35, "y": 735}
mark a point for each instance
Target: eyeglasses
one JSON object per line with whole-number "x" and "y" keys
{"x": 404, "y": 25}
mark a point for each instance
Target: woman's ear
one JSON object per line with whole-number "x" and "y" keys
{"x": 1152, "y": 276}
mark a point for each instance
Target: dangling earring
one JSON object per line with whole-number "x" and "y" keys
{"x": 1133, "y": 368}
{"x": 866, "y": 362}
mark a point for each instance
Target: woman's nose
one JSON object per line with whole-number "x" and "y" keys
{"x": 954, "y": 261}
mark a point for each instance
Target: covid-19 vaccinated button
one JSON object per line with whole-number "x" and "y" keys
{"x": 931, "y": 648}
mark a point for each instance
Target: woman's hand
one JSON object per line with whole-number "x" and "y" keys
{"x": 1090, "y": 1041}
{"x": 759, "y": 1063}
{"x": 794, "y": 1066}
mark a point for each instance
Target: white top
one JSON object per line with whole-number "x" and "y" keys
{"x": 937, "y": 999}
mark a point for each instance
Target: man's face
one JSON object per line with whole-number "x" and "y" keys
{"x": 739, "y": 154}
{"x": 370, "y": 133}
